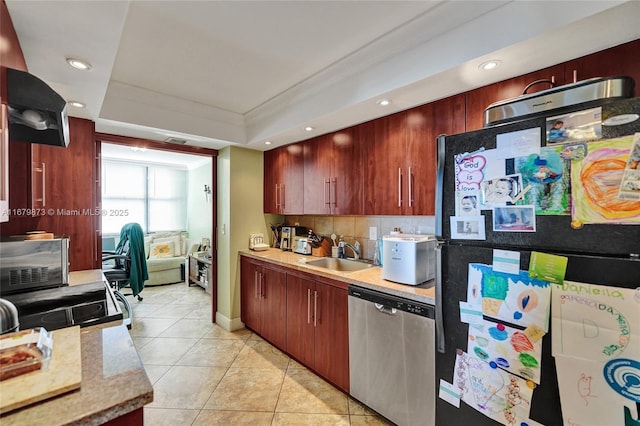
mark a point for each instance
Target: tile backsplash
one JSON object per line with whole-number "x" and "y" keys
{"x": 357, "y": 227}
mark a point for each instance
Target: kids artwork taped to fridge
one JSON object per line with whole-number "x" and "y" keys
{"x": 596, "y": 345}
{"x": 606, "y": 183}
{"x": 513, "y": 298}
{"x": 495, "y": 393}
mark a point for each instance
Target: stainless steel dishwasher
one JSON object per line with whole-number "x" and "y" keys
{"x": 392, "y": 356}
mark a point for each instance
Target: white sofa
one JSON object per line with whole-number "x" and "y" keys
{"x": 166, "y": 253}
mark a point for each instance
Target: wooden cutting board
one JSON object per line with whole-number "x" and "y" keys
{"x": 63, "y": 374}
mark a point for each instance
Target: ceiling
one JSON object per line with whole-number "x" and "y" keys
{"x": 221, "y": 73}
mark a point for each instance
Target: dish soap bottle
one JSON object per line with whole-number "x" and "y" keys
{"x": 341, "y": 248}
{"x": 376, "y": 255}
{"x": 379, "y": 251}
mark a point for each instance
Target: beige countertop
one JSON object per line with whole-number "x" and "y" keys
{"x": 114, "y": 381}
{"x": 369, "y": 278}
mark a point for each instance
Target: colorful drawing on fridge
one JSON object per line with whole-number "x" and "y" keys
{"x": 596, "y": 183}
{"x": 516, "y": 299}
{"x": 596, "y": 346}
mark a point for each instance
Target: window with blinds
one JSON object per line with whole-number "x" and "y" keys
{"x": 155, "y": 196}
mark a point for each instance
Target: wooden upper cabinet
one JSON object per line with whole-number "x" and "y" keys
{"x": 70, "y": 191}
{"x": 384, "y": 154}
{"x": 399, "y": 154}
{"x": 620, "y": 60}
{"x": 333, "y": 174}
{"x": 318, "y": 155}
{"x": 387, "y": 166}
{"x": 424, "y": 125}
{"x": 63, "y": 195}
{"x": 283, "y": 180}
{"x": 479, "y": 99}
{"x": 346, "y": 180}
{"x": 271, "y": 179}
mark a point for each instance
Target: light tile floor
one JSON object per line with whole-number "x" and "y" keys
{"x": 204, "y": 375}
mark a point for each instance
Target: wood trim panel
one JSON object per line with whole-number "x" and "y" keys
{"x": 151, "y": 144}
{"x": 11, "y": 55}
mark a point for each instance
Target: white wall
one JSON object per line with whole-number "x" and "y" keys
{"x": 240, "y": 205}
{"x": 199, "y": 216}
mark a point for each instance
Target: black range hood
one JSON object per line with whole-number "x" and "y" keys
{"x": 37, "y": 114}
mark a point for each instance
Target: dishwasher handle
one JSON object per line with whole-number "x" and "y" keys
{"x": 385, "y": 309}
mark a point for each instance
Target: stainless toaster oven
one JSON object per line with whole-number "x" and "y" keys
{"x": 27, "y": 265}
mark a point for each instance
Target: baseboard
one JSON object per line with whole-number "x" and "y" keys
{"x": 228, "y": 324}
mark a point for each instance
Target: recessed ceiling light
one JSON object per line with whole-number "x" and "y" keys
{"x": 76, "y": 104}
{"x": 308, "y": 128}
{"x": 384, "y": 102}
{"x": 489, "y": 65}
{"x": 79, "y": 64}
{"x": 267, "y": 143}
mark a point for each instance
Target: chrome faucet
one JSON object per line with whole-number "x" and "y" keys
{"x": 355, "y": 250}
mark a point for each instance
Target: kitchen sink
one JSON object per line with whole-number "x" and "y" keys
{"x": 340, "y": 265}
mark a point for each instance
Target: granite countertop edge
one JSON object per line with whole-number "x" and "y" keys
{"x": 370, "y": 278}
{"x": 114, "y": 380}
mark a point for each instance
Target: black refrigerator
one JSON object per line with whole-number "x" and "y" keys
{"x": 560, "y": 181}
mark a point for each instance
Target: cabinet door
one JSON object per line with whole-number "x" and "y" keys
{"x": 300, "y": 316}
{"x": 272, "y": 180}
{"x": 619, "y": 60}
{"x": 479, "y": 99}
{"x": 291, "y": 194}
{"x": 424, "y": 124}
{"x": 273, "y": 289}
{"x": 250, "y": 294}
{"x": 332, "y": 334}
{"x": 70, "y": 186}
{"x": 318, "y": 155}
{"x": 383, "y": 147}
{"x": 284, "y": 180}
{"x": 346, "y": 183}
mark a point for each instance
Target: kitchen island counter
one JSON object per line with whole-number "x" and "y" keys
{"x": 369, "y": 278}
{"x": 114, "y": 385}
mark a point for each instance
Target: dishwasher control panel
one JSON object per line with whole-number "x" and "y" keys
{"x": 391, "y": 301}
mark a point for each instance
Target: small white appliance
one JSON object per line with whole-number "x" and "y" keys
{"x": 256, "y": 242}
{"x": 408, "y": 258}
{"x": 302, "y": 246}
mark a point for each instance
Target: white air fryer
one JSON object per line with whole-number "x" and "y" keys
{"x": 408, "y": 258}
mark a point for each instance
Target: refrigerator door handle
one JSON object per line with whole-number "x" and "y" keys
{"x": 440, "y": 339}
{"x": 440, "y": 141}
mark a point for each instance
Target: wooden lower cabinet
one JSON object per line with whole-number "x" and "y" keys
{"x": 301, "y": 295}
{"x": 318, "y": 326}
{"x": 263, "y": 300}
{"x": 315, "y": 313}
{"x": 332, "y": 333}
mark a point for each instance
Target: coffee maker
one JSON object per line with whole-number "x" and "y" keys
{"x": 288, "y": 234}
